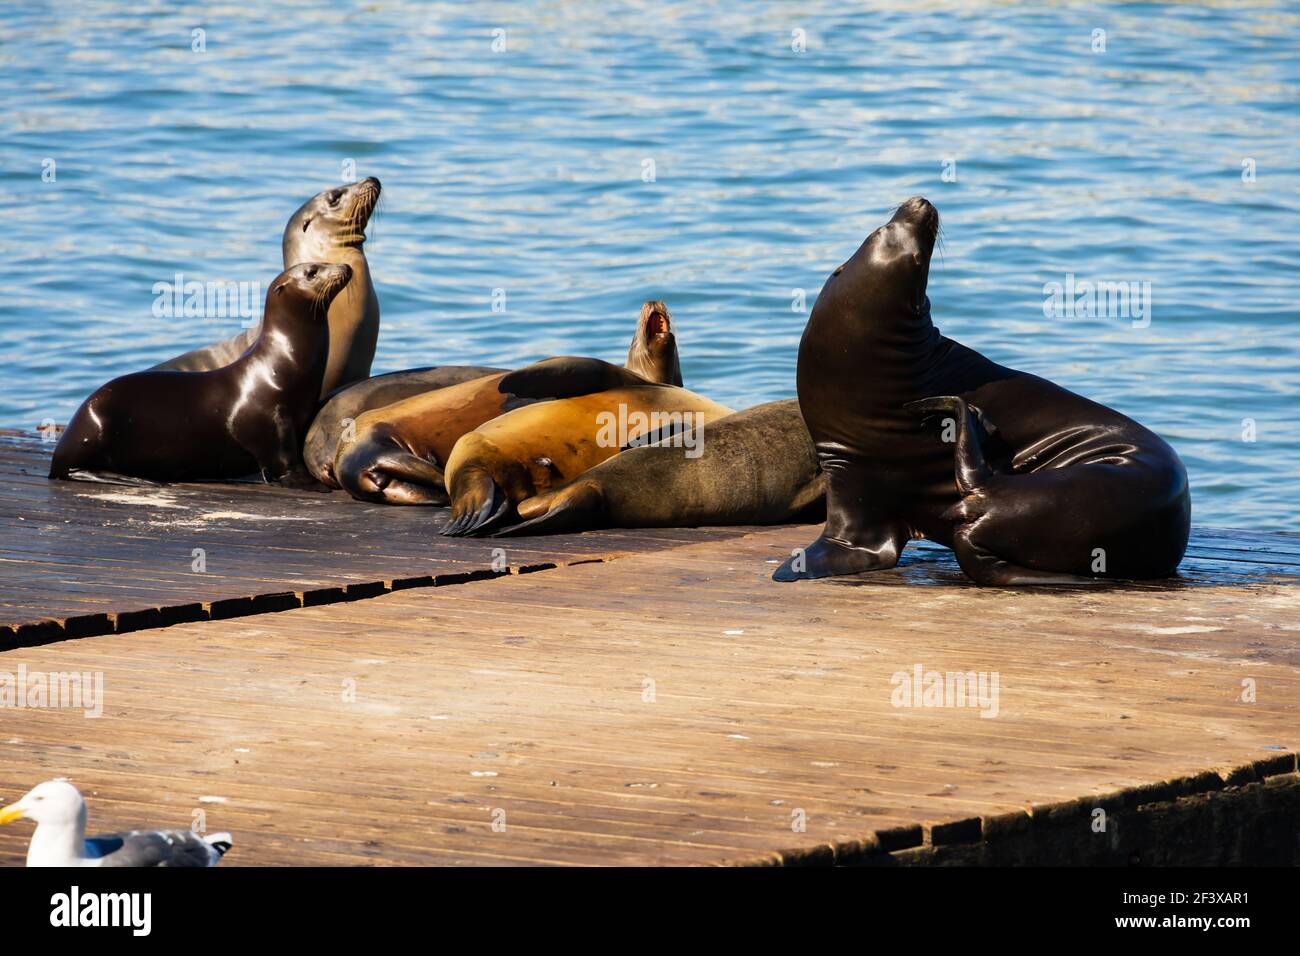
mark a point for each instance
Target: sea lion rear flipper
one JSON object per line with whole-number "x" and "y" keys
{"x": 576, "y": 507}
{"x": 568, "y": 376}
{"x": 972, "y": 469}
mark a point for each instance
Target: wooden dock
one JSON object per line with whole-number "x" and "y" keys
{"x": 343, "y": 686}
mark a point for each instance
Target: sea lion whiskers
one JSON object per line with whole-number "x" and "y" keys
{"x": 361, "y": 212}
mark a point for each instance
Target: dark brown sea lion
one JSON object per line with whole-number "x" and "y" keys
{"x": 393, "y": 452}
{"x": 531, "y": 450}
{"x": 247, "y": 417}
{"x": 1048, "y": 485}
{"x": 756, "y": 467}
{"x": 328, "y": 228}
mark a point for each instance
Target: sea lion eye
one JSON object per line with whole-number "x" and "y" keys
{"x": 334, "y": 197}
{"x": 311, "y": 273}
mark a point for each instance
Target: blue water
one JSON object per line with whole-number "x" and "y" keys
{"x": 523, "y": 170}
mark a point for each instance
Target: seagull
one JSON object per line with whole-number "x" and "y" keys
{"x": 60, "y": 838}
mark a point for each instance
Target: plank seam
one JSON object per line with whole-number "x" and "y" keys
{"x": 54, "y": 630}
{"x": 884, "y": 845}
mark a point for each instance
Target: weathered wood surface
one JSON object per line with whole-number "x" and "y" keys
{"x": 83, "y": 558}
{"x": 674, "y": 707}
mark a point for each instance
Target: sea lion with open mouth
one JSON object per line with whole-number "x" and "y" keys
{"x": 328, "y": 228}
{"x": 393, "y": 451}
{"x": 530, "y": 450}
{"x": 757, "y": 467}
{"x": 247, "y": 417}
{"x": 1033, "y": 484}
{"x": 653, "y": 353}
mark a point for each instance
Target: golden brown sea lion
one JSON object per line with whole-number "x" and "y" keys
{"x": 530, "y": 450}
{"x": 342, "y": 409}
{"x": 392, "y": 453}
{"x": 758, "y": 466}
{"x": 395, "y": 454}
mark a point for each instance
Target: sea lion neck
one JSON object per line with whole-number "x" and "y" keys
{"x": 658, "y": 363}
{"x": 653, "y": 352}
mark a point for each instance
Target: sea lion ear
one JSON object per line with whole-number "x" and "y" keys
{"x": 568, "y": 376}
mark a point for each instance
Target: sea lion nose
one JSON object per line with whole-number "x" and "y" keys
{"x": 918, "y": 208}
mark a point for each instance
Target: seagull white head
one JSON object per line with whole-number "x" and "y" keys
{"x": 59, "y": 813}
{"x": 55, "y": 802}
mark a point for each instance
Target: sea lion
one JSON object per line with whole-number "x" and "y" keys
{"x": 1046, "y": 486}
{"x": 393, "y": 451}
{"x": 653, "y": 353}
{"x": 530, "y": 450}
{"x": 351, "y": 401}
{"x": 757, "y": 467}
{"x": 394, "y": 455}
{"x": 246, "y": 417}
{"x": 328, "y": 228}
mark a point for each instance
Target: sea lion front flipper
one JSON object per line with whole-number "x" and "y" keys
{"x": 477, "y": 504}
{"x": 300, "y": 479}
{"x": 567, "y": 376}
{"x": 411, "y": 480}
{"x": 829, "y": 556}
{"x": 576, "y": 507}
{"x": 106, "y": 478}
{"x": 855, "y": 539}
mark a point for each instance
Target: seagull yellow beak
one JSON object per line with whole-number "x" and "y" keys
{"x": 11, "y": 813}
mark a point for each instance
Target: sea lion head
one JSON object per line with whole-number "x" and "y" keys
{"x": 653, "y": 353}
{"x": 307, "y": 289}
{"x": 899, "y": 254}
{"x": 332, "y": 218}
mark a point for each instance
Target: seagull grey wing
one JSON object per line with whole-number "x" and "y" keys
{"x": 156, "y": 848}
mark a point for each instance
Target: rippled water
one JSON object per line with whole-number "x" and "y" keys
{"x": 525, "y": 170}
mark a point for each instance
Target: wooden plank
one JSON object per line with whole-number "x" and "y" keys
{"x": 79, "y": 558}
{"x": 389, "y": 731}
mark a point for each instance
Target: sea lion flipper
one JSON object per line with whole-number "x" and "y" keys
{"x": 828, "y": 557}
{"x": 568, "y": 376}
{"x": 300, "y": 479}
{"x": 575, "y": 507}
{"x": 865, "y": 539}
{"x": 972, "y": 469}
{"x": 477, "y": 504}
